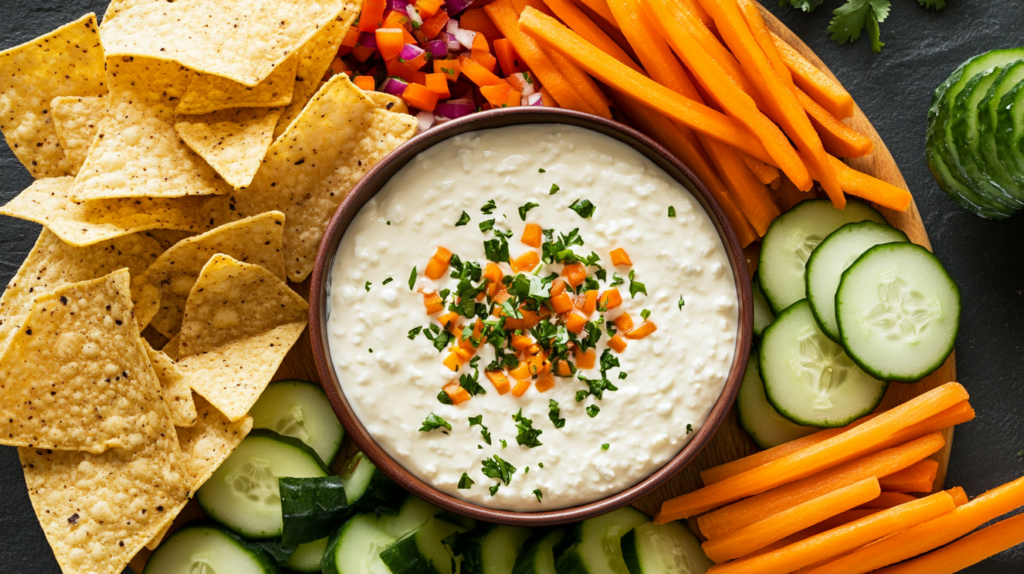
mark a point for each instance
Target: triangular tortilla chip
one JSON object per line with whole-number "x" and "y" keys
{"x": 243, "y": 41}
{"x": 137, "y": 153}
{"x": 313, "y": 166}
{"x": 176, "y": 391}
{"x": 76, "y": 375}
{"x": 256, "y": 240}
{"x": 207, "y": 444}
{"x": 65, "y": 62}
{"x": 52, "y": 264}
{"x": 47, "y": 201}
{"x": 239, "y": 324}
{"x": 119, "y": 6}
{"x": 388, "y": 102}
{"x": 233, "y": 142}
{"x": 167, "y": 238}
{"x": 77, "y": 121}
{"x": 208, "y": 93}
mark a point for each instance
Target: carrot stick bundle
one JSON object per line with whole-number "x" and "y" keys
{"x": 920, "y": 477}
{"x": 838, "y": 138}
{"x": 600, "y": 7}
{"x": 826, "y": 92}
{"x": 890, "y": 499}
{"x": 966, "y": 552}
{"x": 578, "y": 22}
{"x": 764, "y": 172}
{"x": 870, "y": 188}
{"x": 580, "y": 81}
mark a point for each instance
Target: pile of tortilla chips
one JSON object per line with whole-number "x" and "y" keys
{"x": 187, "y": 157}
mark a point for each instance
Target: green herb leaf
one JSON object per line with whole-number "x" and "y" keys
{"x": 592, "y": 410}
{"x": 524, "y": 209}
{"x": 540, "y": 464}
{"x": 581, "y": 396}
{"x": 434, "y": 422}
{"x": 645, "y": 314}
{"x": 486, "y": 226}
{"x": 412, "y": 279}
{"x": 605, "y": 446}
{"x": 616, "y": 280}
{"x": 850, "y": 19}
{"x": 489, "y": 207}
{"x": 414, "y": 332}
{"x": 496, "y": 250}
{"x": 554, "y": 189}
{"x": 527, "y": 434}
{"x": 681, "y": 302}
{"x": 538, "y": 494}
{"x": 465, "y": 483}
{"x": 553, "y": 414}
{"x": 608, "y": 361}
{"x": 932, "y": 4}
{"x": 689, "y": 428}
{"x": 635, "y": 286}
{"x": 444, "y": 399}
{"x": 494, "y": 489}
{"x": 503, "y": 443}
{"x": 498, "y": 468}
{"x": 583, "y": 207}
{"x": 805, "y": 5}
{"x": 386, "y": 281}
{"x": 463, "y": 219}
{"x": 479, "y": 420}
{"x": 542, "y": 170}
{"x": 671, "y": 211}
{"x": 367, "y": 285}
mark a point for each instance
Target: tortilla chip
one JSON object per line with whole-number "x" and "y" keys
{"x": 234, "y": 142}
{"x": 65, "y": 62}
{"x": 242, "y": 41}
{"x": 52, "y": 264}
{"x": 119, "y": 6}
{"x": 76, "y": 375}
{"x": 256, "y": 240}
{"x": 171, "y": 348}
{"x": 154, "y": 543}
{"x": 388, "y": 102}
{"x": 239, "y": 324}
{"x": 208, "y": 93}
{"x": 77, "y": 121}
{"x": 313, "y": 166}
{"x": 167, "y": 238}
{"x": 176, "y": 391}
{"x": 48, "y": 201}
{"x": 314, "y": 60}
{"x": 207, "y": 444}
{"x": 137, "y": 153}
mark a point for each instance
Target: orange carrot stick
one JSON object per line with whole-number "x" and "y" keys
{"x": 790, "y": 521}
{"x": 967, "y": 552}
{"x": 870, "y": 188}
{"x": 930, "y": 535}
{"x": 505, "y": 18}
{"x": 580, "y": 81}
{"x": 764, "y": 172}
{"x": 600, "y": 7}
{"x": 750, "y": 193}
{"x": 578, "y": 22}
{"x": 823, "y": 89}
{"x": 694, "y": 7}
{"x": 958, "y": 494}
{"x": 842, "y": 539}
{"x": 733, "y": 517}
{"x": 549, "y": 32}
{"x": 917, "y": 478}
{"x": 838, "y": 138}
{"x": 890, "y": 499}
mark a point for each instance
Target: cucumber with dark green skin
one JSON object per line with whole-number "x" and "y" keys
{"x": 763, "y": 315}
{"x": 1010, "y": 129}
{"x": 355, "y": 547}
{"x": 423, "y": 551}
{"x": 663, "y": 549}
{"x": 276, "y": 550}
{"x": 491, "y": 548}
{"x": 311, "y": 508}
{"x": 961, "y": 194}
{"x": 592, "y": 546}
{"x": 368, "y": 489}
{"x": 538, "y": 553}
{"x": 208, "y": 547}
{"x": 1010, "y": 180}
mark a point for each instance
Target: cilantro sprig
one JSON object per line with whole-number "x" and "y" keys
{"x": 850, "y": 20}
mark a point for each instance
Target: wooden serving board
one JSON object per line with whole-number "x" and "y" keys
{"x": 731, "y": 442}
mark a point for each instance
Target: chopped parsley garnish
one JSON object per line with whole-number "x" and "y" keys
{"x": 592, "y": 410}
{"x": 581, "y": 396}
{"x": 850, "y": 19}
{"x": 605, "y": 446}
{"x": 465, "y": 483}
{"x": 504, "y": 444}
{"x": 553, "y": 414}
{"x": 681, "y": 302}
{"x": 479, "y": 420}
{"x": 496, "y": 250}
{"x": 645, "y": 314}
{"x": 583, "y": 207}
{"x": 489, "y": 207}
{"x": 413, "y": 332}
{"x": 538, "y": 494}
{"x": 689, "y": 428}
{"x": 616, "y": 280}
{"x": 434, "y": 422}
{"x": 597, "y": 387}
{"x": 524, "y": 209}
{"x": 527, "y": 434}
{"x": 542, "y": 170}
{"x": 444, "y": 399}
{"x": 463, "y": 219}
{"x": 367, "y": 285}
{"x": 486, "y": 226}
{"x": 540, "y": 464}
{"x": 498, "y": 468}
{"x": 554, "y": 189}
{"x": 623, "y": 375}
{"x": 671, "y": 211}
{"x": 412, "y": 279}
{"x": 608, "y": 362}
{"x": 635, "y": 286}
{"x": 371, "y": 351}
{"x": 386, "y": 281}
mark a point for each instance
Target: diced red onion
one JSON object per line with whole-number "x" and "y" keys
{"x": 524, "y": 83}
{"x": 394, "y": 86}
{"x": 465, "y": 37}
{"x": 449, "y": 39}
{"x": 414, "y": 15}
{"x": 451, "y": 26}
{"x": 455, "y": 6}
{"x": 399, "y": 5}
{"x": 438, "y": 120}
{"x": 455, "y": 109}
{"x": 410, "y": 52}
{"x": 534, "y": 100}
{"x": 425, "y": 119}
{"x": 437, "y": 48}
{"x": 368, "y": 39}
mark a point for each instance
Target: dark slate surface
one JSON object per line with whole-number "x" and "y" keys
{"x": 894, "y": 89}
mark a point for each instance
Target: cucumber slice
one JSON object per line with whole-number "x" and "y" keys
{"x": 204, "y": 547}
{"x": 593, "y": 546}
{"x": 300, "y": 409}
{"x": 492, "y": 548}
{"x": 960, "y": 193}
{"x": 763, "y": 315}
{"x": 412, "y": 514}
{"x": 1010, "y": 130}
{"x": 537, "y": 555}
{"x": 243, "y": 494}
{"x": 988, "y": 112}
{"x": 665, "y": 549}
{"x": 829, "y": 260}
{"x": 423, "y": 551}
{"x": 273, "y": 547}
{"x": 757, "y": 416}
{"x": 311, "y": 508}
{"x": 808, "y": 378}
{"x": 367, "y": 488}
{"x": 355, "y": 548}
{"x": 307, "y": 557}
{"x": 792, "y": 237}
{"x": 898, "y": 311}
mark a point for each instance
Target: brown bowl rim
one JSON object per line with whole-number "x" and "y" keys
{"x": 383, "y": 171}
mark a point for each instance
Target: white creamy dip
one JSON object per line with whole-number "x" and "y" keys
{"x": 675, "y": 375}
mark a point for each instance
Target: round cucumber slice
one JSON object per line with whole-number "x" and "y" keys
{"x": 243, "y": 494}
{"x": 208, "y": 548}
{"x": 792, "y": 237}
{"x": 827, "y": 263}
{"x": 988, "y": 114}
{"x": 808, "y": 378}
{"x": 307, "y": 557}
{"x": 763, "y": 315}
{"x": 898, "y": 312}
{"x": 663, "y": 549}
{"x": 300, "y": 409}
{"x": 762, "y": 422}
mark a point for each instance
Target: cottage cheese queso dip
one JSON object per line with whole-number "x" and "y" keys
{"x": 529, "y": 244}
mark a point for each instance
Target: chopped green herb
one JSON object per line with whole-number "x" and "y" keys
{"x": 371, "y": 351}
{"x": 538, "y": 494}
{"x": 554, "y": 189}
{"x": 496, "y": 250}
{"x": 389, "y": 222}
{"x": 540, "y": 464}
{"x": 616, "y": 280}
{"x": 503, "y": 443}
{"x": 605, "y": 446}
{"x": 414, "y": 332}
{"x": 494, "y": 489}
{"x": 671, "y": 211}
{"x": 496, "y": 467}
{"x": 463, "y": 219}
{"x": 635, "y": 286}
{"x": 645, "y": 314}
{"x": 486, "y": 226}
{"x": 434, "y": 422}
{"x": 479, "y": 420}
{"x": 542, "y": 170}
{"x": 681, "y": 302}
{"x": 583, "y": 207}
{"x": 367, "y": 285}
{"x": 444, "y": 399}
{"x": 623, "y": 375}
{"x": 386, "y": 281}
{"x": 1021, "y": 454}
{"x": 524, "y": 209}
{"x": 850, "y": 19}
{"x": 592, "y": 410}
{"x": 553, "y": 414}
{"x": 465, "y": 482}
{"x": 581, "y": 395}
{"x": 489, "y": 207}
{"x": 412, "y": 279}
{"x": 689, "y": 428}
{"x": 527, "y": 434}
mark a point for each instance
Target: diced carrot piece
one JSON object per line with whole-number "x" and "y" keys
{"x": 617, "y": 343}
{"x": 575, "y": 323}
{"x": 452, "y": 361}
{"x": 478, "y": 21}
{"x": 432, "y": 26}
{"x": 492, "y": 272}
{"x": 448, "y": 319}
{"x": 561, "y": 304}
{"x": 545, "y": 96}
{"x": 620, "y": 257}
{"x": 609, "y": 300}
{"x": 499, "y": 380}
{"x": 500, "y": 298}
{"x": 364, "y": 83}
{"x": 624, "y": 322}
{"x": 521, "y": 342}
{"x": 514, "y": 100}
{"x": 532, "y": 350}
{"x": 396, "y": 19}
{"x": 532, "y": 235}
{"x": 557, "y": 287}
{"x": 588, "y": 302}
{"x": 390, "y": 42}
{"x": 521, "y": 387}
{"x": 564, "y": 368}
{"x": 480, "y": 75}
{"x": 575, "y": 273}
{"x": 371, "y": 15}
{"x": 399, "y": 69}
{"x": 507, "y": 57}
{"x": 585, "y": 360}
{"x": 416, "y": 63}
{"x": 545, "y": 383}
{"x": 438, "y": 264}
{"x": 433, "y": 303}
{"x": 530, "y": 319}
{"x": 362, "y": 53}
{"x": 351, "y": 38}
{"x": 539, "y": 365}
{"x": 464, "y": 354}
{"x": 456, "y": 393}
{"x": 450, "y": 69}
{"x": 428, "y": 8}
{"x": 496, "y": 94}
{"x": 485, "y": 59}
{"x": 527, "y": 261}
{"x": 438, "y": 84}
{"x": 642, "y": 331}
{"x": 480, "y": 43}
{"x": 522, "y": 371}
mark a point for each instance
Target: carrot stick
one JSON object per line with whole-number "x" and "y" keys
{"x": 838, "y": 138}
{"x": 790, "y": 521}
{"x": 932, "y": 534}
{"x": 781, "y": 102}
{"x": 733, "y": 100}
{"x": 750, "y": 193}
{"x": 731, "y": 518}
{"x": 966, "y": 552}
{"x": 694, "y": 8}
{"x": 547, "y": 31}
{"x": 580, "y": 81}
{"x": 505, "y": 18}
{"x": 764, "y": 172}
{"x": 870, "y": 188}
{"x": 958, "y": 494}
{"x": 842, "y": 539}
{"x": 823, "y": 89}
{"x": 600, "y": 7}
{"x": 919, "y": 477}
{"x": 890, "y": 499}
{"x": 578, "y": 22}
